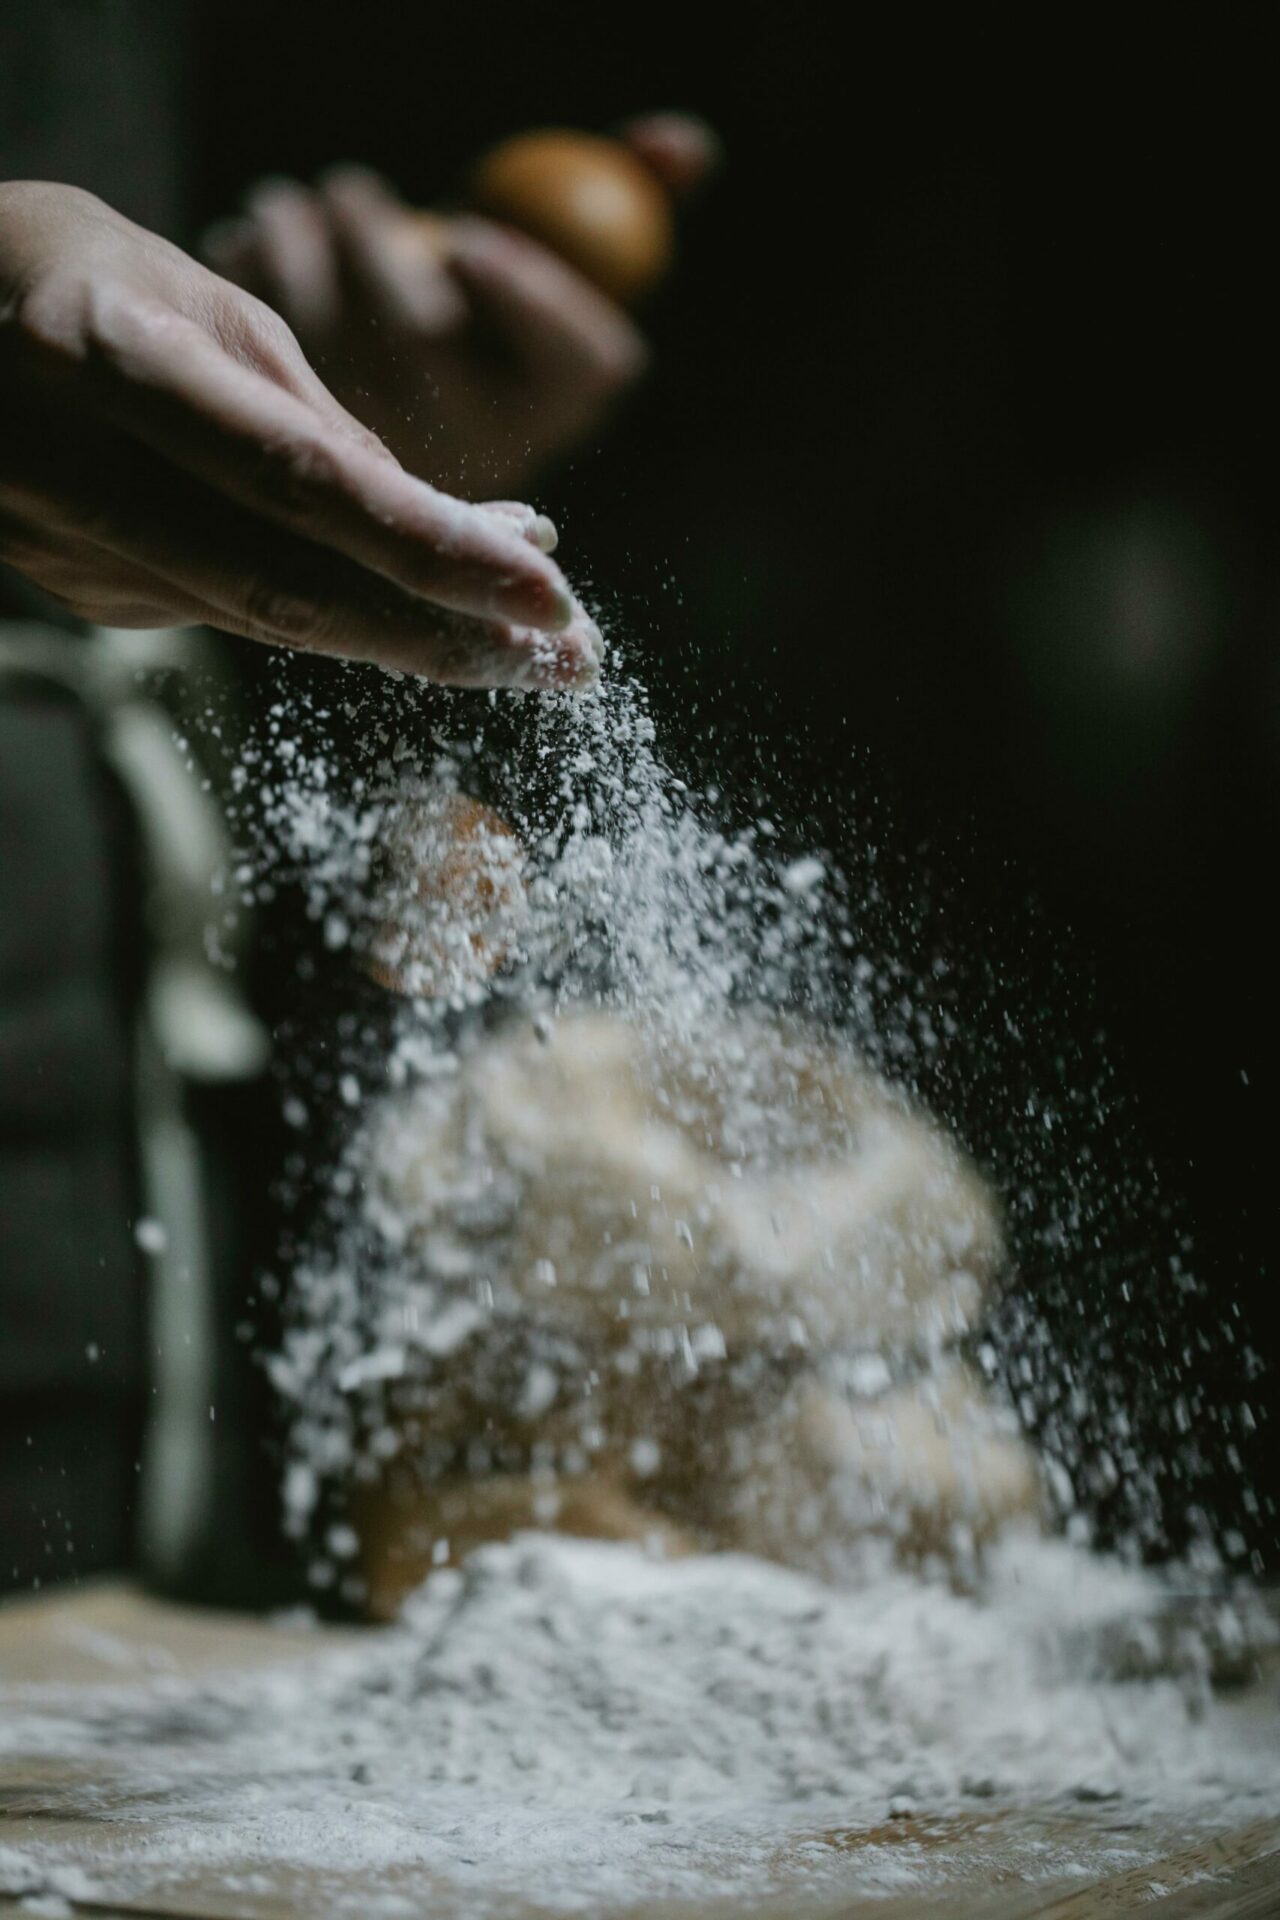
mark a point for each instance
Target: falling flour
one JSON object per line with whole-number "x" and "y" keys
{"x": 611, "y": 885}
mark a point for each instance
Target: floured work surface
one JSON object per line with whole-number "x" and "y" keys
{"x": 130, "y": 1824}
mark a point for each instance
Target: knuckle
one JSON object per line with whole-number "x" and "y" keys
{"x": 49, "y": 315}
{"x": 280, "y": 612}
{"x": 121, "y": 325}
{"x": 268, "y": 340}
{"x": 274, "y": 332}
{"x": 299, "y": 479}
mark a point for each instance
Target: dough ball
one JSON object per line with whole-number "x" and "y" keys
{"x": 770, "y": 1186}
{"x": 932, "y": 1465}
{"x": 406, "y": 1529}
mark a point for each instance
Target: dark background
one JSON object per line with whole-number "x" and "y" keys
{"x": 949, "y": 509}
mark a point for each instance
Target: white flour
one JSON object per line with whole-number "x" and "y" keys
{"x": 638, "y": 897}
{"x": 634, "y": 898}
{"x": 577, "y": 1722}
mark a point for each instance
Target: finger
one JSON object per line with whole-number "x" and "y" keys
{"x": 144, "y": 609}
{"x": 393, "y": 260}
{"x": 550, "y": 318}
{"x": 166, "y": 384}
{"x": 297, "y": 257}
{"x": 93, "y": 584}
{"x": 211, "y": 561}
{"x": 234, "y": 249}
{"x": 535, "y": 527}
{"x": 252, "y": 329}
{"x": 230, "y": 247}
{"x": 682, "y": 150}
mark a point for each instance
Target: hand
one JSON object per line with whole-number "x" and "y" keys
{"x": 168, "y": 457}
{"x": 476, "y": 354}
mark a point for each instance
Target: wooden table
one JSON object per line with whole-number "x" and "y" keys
{"x": 983, "y": 1867}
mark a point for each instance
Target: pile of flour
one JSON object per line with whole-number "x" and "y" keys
{"x": 585, "y": 1724}
{"x": 585, "y": 1675}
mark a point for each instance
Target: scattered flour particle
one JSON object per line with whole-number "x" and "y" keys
{"x": 455, "y": 1323}
{"x": 869, "y": 1374}
{"x": 384, "y": 1363}
{"x": 539, "y": 1391}
{"x": 708, "y": 1343}
{"x": 802, "y": 876}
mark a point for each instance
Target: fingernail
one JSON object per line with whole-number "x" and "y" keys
{"x": 537, "y": 600}
{"x": 563, "y": 607}
{"x": 534, "y": 527}
{"x": 571, "y": 669}
{"x": 594, "y": 640}
{"x": 564, "y": 666}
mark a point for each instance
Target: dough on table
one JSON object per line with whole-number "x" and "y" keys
{"x": 930, "y": 1465}
{"x": 678, "y": 1247}
{"x": 644, "y": 1188}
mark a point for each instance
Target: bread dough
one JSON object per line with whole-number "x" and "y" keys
{"x": 677, "y": 1248}
{"x": 784, "y": 1192}
{"x": 931, "y": 1465}
{"x": 409, "y": 1528}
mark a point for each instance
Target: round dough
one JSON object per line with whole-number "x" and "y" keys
{"x": 678, "y": 1250}
{"x": 932, "y": 1465}
{"x": 773, "y": 1186}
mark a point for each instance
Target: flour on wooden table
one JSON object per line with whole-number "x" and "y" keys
{"x": 583, "y": 1724}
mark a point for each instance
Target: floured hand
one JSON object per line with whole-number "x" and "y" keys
{"x": 170, "y": 458}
